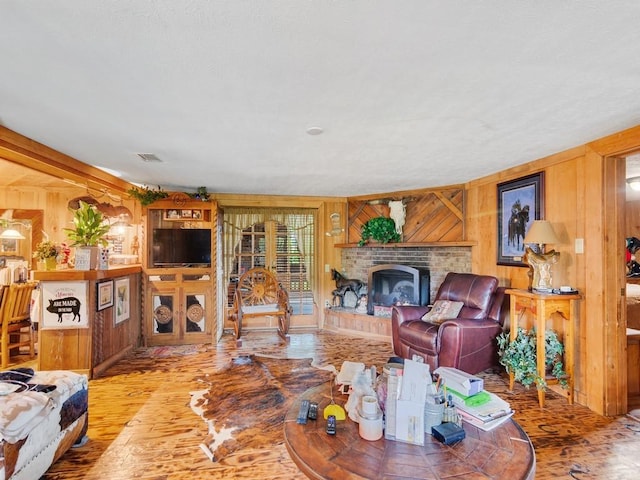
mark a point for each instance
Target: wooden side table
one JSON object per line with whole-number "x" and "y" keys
{"x": 542, "y": 306}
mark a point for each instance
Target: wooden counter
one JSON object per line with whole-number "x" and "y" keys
{"x": 100, "y": 341}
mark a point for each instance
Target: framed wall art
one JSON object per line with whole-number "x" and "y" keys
{"x": 105, "y": 295}
{"x": 123, "y": 296}
{"x": 520, "y": 202}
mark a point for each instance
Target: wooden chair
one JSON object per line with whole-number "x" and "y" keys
{"x": 259, "y": 293}
{"x": 17, "y": 330}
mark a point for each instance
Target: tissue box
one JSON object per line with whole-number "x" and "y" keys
{"x": 460, "y": 381}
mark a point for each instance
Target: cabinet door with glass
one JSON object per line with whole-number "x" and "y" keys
{"x": 181, "y": 311}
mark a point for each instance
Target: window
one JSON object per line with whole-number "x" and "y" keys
{"x": 281, "y": 240}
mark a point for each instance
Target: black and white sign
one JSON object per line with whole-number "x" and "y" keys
{"x": 64, "y": 305}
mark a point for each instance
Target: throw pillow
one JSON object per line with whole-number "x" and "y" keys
{"x": 442, "y": 310}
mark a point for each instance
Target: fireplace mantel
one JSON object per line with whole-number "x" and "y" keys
{"x": 405, "y": 245}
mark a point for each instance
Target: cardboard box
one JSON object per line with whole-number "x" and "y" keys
{"x": 461, "y": 382}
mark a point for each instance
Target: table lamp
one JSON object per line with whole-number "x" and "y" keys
{"x": 540, "y": 234}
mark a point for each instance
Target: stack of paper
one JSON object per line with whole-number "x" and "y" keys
{"x": 487, "y": 416}
{"x": 483, "y": 409}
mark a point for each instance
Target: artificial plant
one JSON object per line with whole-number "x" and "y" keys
{"x": 380, "y": 229}
{"x": 146, "y": 196}
{"x": 520, "y": 357}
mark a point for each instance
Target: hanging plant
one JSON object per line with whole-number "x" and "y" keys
{"x": 380, "y": 229}
{"x": 146, "y": 195}
{"x": 519, "y": 357}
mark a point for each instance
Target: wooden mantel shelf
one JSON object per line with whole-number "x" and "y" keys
{"x": 405, "y": 245}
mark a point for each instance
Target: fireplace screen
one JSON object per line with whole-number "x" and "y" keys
{"x": 390, "y": 285}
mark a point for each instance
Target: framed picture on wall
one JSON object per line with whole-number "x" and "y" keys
{"x": 123, "y": 296}
{"x": 520, "y": 202}
{"x": 105, "y": 295}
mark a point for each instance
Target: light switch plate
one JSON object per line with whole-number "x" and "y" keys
{"x": 579, "y": 247}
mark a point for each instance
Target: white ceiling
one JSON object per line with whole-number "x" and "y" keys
{"x": 409, "y": 94}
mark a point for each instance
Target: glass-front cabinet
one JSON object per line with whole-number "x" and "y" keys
{"x": 181, "y": 309}
{"x": 179, "y": 283}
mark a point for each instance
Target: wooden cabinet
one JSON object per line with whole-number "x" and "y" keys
{"x": 179, "y": 306}
{"x": 179, "y": 267}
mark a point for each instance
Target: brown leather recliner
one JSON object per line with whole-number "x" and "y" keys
{"x": 467, "y": 342}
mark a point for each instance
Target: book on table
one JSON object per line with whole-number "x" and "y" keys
{"x": 490, "y": 413}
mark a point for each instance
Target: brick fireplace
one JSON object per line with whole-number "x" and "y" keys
{"x": 356, "y": 262}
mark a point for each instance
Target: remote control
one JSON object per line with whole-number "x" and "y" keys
{"x": 313, "y": 411}
{"x": 304, "y": 412}
{"x": 331, "y": 424}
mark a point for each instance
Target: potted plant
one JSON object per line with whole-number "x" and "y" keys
{"x": 46, "y": 253}
{"x": 87, "y": 235}
{"x": 380, "y": 229}
{"x": 519, "y": 357}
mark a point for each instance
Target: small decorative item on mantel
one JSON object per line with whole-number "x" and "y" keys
{"x": 46, "y": 253}
{"x": 201, "y": 194}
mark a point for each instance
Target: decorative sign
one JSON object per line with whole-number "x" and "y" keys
{"x": 64, "y": 305}
{"x": 83, "y": 259}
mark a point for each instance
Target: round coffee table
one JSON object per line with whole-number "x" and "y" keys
{"x": 502, "y": 453}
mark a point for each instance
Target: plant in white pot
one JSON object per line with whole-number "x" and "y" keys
{"x": 87, "y": 235}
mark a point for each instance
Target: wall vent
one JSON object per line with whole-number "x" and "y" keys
{"x": 148, "y": 157}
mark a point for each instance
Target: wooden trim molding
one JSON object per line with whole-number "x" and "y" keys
{"x": 31, "y": 154}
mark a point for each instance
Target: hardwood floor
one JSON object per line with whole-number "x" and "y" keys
{"x": 141, "y": 425}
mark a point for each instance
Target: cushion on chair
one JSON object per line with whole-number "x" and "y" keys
{"x": 442, "y": 310}
{"x": 474, "y": 291}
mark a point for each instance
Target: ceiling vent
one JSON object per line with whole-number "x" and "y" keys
{"x": 148, "y": 157}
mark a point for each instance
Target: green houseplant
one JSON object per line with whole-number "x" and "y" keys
{"x": 380, "y": 229}
{"x": 88, "y": 234}
{"x": 519, "y": 357}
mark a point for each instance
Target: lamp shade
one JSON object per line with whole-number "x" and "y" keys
{"x": 541, "y": 233}
{"x": 634, "y": 183}
{"x": 12, "y": 234}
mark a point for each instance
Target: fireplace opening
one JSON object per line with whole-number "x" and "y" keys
{"x": 392, "y": 284}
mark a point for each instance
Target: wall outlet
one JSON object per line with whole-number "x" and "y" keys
{"x": 327, "y": 304}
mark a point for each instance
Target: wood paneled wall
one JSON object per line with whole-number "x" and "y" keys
{"x": 432, "y": 215}
{"x": 582, "y": 201}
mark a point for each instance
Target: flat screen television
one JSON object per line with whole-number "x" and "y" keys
{"x": 174, "y": 247}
